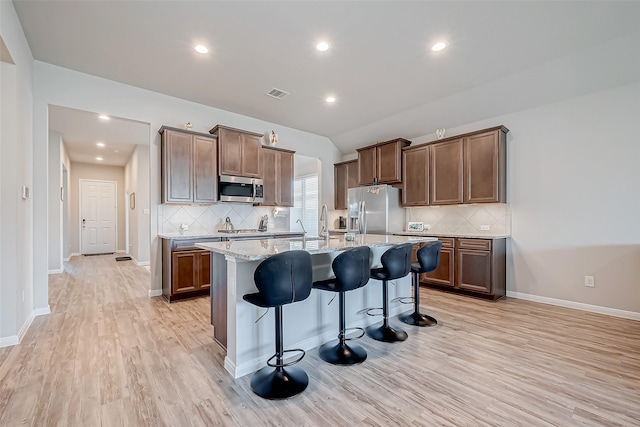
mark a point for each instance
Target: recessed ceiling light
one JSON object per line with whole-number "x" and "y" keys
{"x": 100, "y": 144}
{"x": 439, "y": 46}
{"x": 201, "y": 49}
{"x": 116, "y": 151}
{"x": 104, "y": 117}
{"x": 322, "y": 46}
{"x": 99, "y": 158}
{"x": 330, "y": 99}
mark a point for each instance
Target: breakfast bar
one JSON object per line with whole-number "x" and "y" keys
{"x": 247, "y": 333}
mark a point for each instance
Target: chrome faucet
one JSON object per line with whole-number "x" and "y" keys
{"x": 324, "y": 218}
{"x": 299, "y": 221}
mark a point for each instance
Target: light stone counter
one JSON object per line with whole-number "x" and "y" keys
{"x": 258, "y": 234}
{"x": 307, "y": 324}
{"x": 469, "y": 236}
{"x": 254, "y": 250}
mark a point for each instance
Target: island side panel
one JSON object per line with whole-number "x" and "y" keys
{"x": 219, "y": 298}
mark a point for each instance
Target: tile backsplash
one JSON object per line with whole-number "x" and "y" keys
{"x": 464, "y": 219}
{"x": 208, "y": 219}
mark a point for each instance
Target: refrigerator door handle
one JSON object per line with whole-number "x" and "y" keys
{"x": 364, "y": 218}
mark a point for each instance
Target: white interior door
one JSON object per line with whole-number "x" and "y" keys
{"x": 97, "y": 216}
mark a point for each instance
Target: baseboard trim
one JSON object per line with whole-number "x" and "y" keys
{"x": 42, "y": 311}
{"x": 56, "y": 271}
{"x": 142, "y": 263}
{"x": 16, "y": 339}
{"x": 155, "y": 292}
{"x": 73, "y": 254}
{"x": 576, "y": 305}
{"x": 9, "y": 341}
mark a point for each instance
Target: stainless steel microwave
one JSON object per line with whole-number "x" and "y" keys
{"x": 241, "y": 189}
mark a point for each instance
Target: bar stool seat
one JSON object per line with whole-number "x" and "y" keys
{"x": 428, "y": 260}
{"x": 281, "y": 279}
{"x": 396, "y": 263}
{"x": 351, "y": 269}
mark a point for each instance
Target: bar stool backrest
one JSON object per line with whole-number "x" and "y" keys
{"x": 429, "y": 256}
{"x": 352, "y": 268}
{"x": 397, "y": 261}
{"x": 284, "y": 278}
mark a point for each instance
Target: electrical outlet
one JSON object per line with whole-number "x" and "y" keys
{"x": 589, "y": 281}
{"x": 485, "y": 227}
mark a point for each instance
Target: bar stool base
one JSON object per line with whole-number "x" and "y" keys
{"x": 418, "y": 319}
{"x": 386, "y": 333}
{"x": 279, "y": 383}
{"x": 345, "y": 354}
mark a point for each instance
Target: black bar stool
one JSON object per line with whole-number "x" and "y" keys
{"x": 396, "y": 263}
{"x": 428, "y": 260}
{"x": 351, "y": 269}
{"x": 281, "y": 279}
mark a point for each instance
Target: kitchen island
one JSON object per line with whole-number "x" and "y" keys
{"x": 307, "y": 324}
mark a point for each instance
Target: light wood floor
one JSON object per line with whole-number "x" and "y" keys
{"x": 109, "y": 355}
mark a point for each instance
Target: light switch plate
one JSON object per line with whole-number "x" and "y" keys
{"x": 485, "y": 227}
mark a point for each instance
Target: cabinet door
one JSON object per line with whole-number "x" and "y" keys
{"x": 415, "y": 179}
{"x": 352, "y": 174}
{"x": 366, "y": 166}
{"x": 286, "y": 180}
{"x": 446, "y": 173}
{"x": 205, "y": 189}
{"x": 484, "y": 178}
{"x": 474, "y": 270}
{"x": 388, "y": 161}
{"x": 230, "y": 150}
{"x": 251, "y": 150}
{"x": 340, "y": 177}
{"x": 185, "y": 272}
{"x": 269, "y": 176}
{"x": 177, "y": 173}
{"x": 204, "y": 269}
{"x": 444, "y": 273}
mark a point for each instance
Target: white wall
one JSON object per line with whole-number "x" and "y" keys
{"x": 573, "y": 181}
{"x": 59, "y": 86}
{"x": 16, "y": 148}
{"x": 66, "y": 203}
{"x": 55, "y": 204}
{"x": 137, "y": 181}
{"x": 99, "y": 173}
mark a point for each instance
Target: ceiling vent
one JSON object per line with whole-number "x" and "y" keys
{"x": 277, "y": 93}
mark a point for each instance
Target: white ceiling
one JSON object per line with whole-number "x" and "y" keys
{"x": 82, "y": 130}
{"x": 502, "y": 56}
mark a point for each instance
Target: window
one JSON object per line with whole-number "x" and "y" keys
{"x": 305, "y": 204}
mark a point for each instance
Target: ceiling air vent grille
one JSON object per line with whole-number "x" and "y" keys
{"x": 277, "y": 93}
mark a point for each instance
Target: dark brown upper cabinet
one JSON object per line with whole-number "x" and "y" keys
{"x": 188, "y": 166}
{"x": 485, "y": 165}
{"x": 445, "y": 176}
{"x": 469, "y": 168}
{"x": 381, "y": 163}
{"x": 239, "y": 151}
{"x": 345, "y": 176}
{"x": 277, "y": 173}
{"x": 415, "y": 177}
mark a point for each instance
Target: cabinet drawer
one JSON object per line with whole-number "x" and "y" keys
{"x": 478, "y": 244}
{"x": 447, "y": 242}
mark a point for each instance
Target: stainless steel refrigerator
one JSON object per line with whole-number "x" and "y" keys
{"x": 375, "y": 210}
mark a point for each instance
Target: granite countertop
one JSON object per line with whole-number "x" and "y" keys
{"x": 468, "y": 236}
{"x": 218, "y": 235}
{"x": 255, "y": 250}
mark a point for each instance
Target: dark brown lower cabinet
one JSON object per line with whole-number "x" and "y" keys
{"x": 186, "y": 270}
{"x": 470, "y": 266}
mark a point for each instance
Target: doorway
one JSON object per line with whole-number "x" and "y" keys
{"x": 98, "y": 225}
